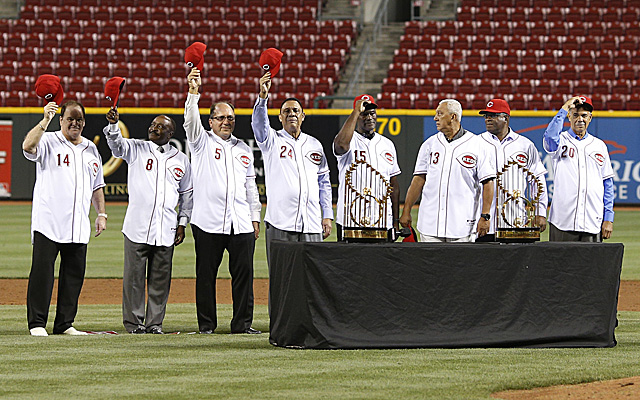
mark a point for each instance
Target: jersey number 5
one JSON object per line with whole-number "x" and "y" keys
{"x": 65, "y": 160}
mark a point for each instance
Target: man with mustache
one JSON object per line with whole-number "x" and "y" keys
{"x": 296, "y": 172}
{"x": 358, "y": 140}
{"x": 582, "y": 205}
{"x": 226, "y": 209}
{"x": 510, "y": 146}
{"x": 159, "y": 178}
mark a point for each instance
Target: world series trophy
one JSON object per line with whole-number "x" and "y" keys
{"x": 365, "y": 204}
{"x": 518, "y": 196}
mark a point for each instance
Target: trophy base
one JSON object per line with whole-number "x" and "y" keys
{"x": 366, "y": 235}
{"x": 518, "y": 235}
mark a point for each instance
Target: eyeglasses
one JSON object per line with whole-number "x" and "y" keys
{"x": 221, "y": 118}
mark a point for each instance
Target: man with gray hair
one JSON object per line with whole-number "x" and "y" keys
{"x": 453, "y": 171}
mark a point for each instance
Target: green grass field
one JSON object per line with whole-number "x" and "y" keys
{"x": 247, "y": 366}
{"x": 105, "y": 253}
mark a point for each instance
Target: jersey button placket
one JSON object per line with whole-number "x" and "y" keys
{"x": 231, "y": 189}
{"x": 304, "y": 195}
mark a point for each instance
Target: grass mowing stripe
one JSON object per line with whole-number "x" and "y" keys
{"x": 105, "y": 253}
{"x": 241, "y": 366}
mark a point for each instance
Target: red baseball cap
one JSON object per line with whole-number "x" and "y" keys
{"x": 586, "y": 102}
{"x": 368, "y": 98}
{"x": 413, "y": 237}
{"x": 112, "y": 89}
{"x": 270, "y": 61}
{"x": 194, "y": 55}
{"x": 497, "y": 106}
{"x": 48, "y": 87}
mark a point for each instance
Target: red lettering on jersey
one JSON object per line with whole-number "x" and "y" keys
{"x": 467, "y": 160}
{"x": 315, "y": 157}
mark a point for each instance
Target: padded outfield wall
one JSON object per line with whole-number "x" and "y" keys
{"x": 406, "y": 128}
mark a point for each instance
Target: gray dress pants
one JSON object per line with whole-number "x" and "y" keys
{"x": 153, "y": 264}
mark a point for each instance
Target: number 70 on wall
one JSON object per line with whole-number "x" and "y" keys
{"x": 392, "y": 124}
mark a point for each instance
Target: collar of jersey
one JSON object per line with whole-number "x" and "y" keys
{"x": 573, "y": 135}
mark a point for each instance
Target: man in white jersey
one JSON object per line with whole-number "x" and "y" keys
{"x": 365, "y": 144}
{"x": 455, "y": 170}
{"x": 510, "y": 146}
{"x": 296, "y": 174}
{"x": 68, "y": 180}
{"x": 226, "y": 209}
{"x": 582, "y": 205}
{"x": 159, "y": 178}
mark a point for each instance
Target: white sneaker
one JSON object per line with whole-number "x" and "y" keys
{"x": 74, "y": 332}
{"x": 39, "y": 331}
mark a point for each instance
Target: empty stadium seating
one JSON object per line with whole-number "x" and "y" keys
{"x": 86, "y": 42}
{"x": 533, "y": 53}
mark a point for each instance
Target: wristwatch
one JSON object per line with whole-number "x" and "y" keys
{"x": 486, "y": 216}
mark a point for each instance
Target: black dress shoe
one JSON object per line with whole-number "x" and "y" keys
{"x": 156, "y": 330}
{"x": 207, "y": 331}
{"x": 249, "y": 331}
{"x": 139, "y": 330}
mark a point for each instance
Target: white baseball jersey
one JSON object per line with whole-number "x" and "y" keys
{"x": 66, "y": 177}
{"x": 380, "y": 153}
{"x": 225, "y": 195}
{"x": 515, "y": 147}
{"x": 157, "y": 182}
{"x": 451, "y": 196}
{"x": 579, "y": 167}
{"x": 296, "y": 176}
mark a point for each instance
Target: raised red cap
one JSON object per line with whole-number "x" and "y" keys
{"x": 270, "y": 61}
{"x": 194, "y": 55}
{"x": 48, "y": 87}
{"x": 497, "y": 106}
{"x": 112, "y": 90}
{"x": 368, "y": 98}
{"x": 586, "y": 102}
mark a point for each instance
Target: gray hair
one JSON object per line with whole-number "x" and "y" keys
{"x": 454, "y": 107}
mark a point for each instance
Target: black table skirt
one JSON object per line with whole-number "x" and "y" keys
{"x": 403, "y": 295}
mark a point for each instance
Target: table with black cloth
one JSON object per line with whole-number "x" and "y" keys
{"x": 403, "y": 295}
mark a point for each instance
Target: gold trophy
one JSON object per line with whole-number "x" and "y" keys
{"x": 366, "y": 204}
{"x": 518, "y": 195}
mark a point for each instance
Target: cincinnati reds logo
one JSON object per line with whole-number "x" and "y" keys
{"x": 94, "y": 167}
{"x": 315, "y": 157}
{"x": 244, "y": 160}
{"x": 467, "y": 160}
{"x": 266, "y": 67}
{"x": 190, "y": 64}
{"x": 109, "y": 98}
{"x": 388, "y": 156}
{"x": 520, "y": 158}
{"x": 583, "y": 99}
{"x": 599, "y": 158}
{"x": 177, "y": 172}
{"x": 48, "y": 96}
{"x": 490, "y": 104}
{"x": 366, "y": 98}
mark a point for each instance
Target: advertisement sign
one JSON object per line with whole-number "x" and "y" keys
{"x": 6, "y": 135}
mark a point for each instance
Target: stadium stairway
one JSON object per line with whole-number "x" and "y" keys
{"x": 376, "y": 67}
